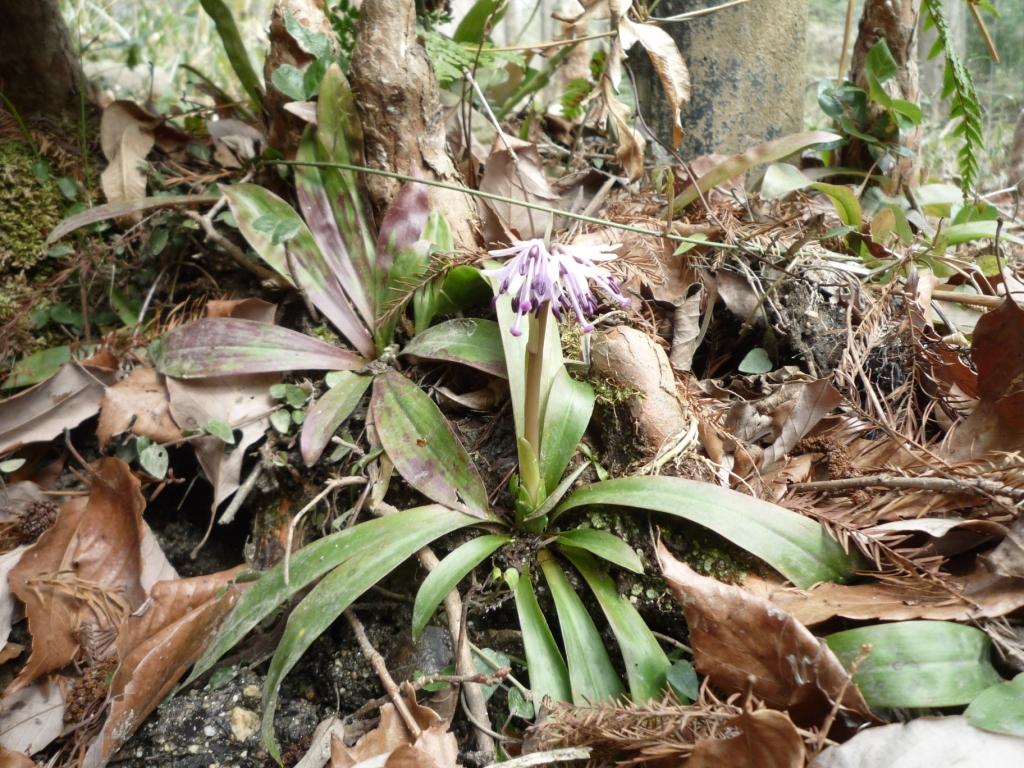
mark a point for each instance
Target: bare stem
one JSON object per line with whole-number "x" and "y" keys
{"x": 532, "y": 415}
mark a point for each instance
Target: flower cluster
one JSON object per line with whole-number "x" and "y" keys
{"x": 562, "y": 276}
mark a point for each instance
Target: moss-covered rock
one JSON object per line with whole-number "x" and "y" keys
{"x": 29, "y": 209}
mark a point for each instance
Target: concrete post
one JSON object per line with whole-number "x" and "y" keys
{"x": 747, "y": 69}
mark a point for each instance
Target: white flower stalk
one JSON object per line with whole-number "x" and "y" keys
{"x": 562, "y": 277}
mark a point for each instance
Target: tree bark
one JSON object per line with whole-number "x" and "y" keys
{"x": 895, "y": 21}
{"x": 39, "y": 72}
{"x": 399, "y": 105}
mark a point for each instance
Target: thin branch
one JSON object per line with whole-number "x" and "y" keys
{"x": 977, "y": 485}
{"x": 510, "y": 201}
{"x": 237, "y": 254}
{"x": 473, "y": 693}
{"x": 381, "y": 668}
{"x": 338, "y": 482}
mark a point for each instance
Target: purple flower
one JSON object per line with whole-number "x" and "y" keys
{"x": 562, "y": 277}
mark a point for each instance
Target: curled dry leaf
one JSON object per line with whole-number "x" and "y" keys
{"x": 234, "y": 142}
{"x": 520, "y": 177}
{"x": 155, "y": 648}
{"x": 997, "y": 421}
{"x": 82, "y": 577}
{"x": 630, "y": 152}
{"x": 737, "y": 636}
{"x": 984, "y": 595}
{"x": 765, "y": 739}
{"x": 138, "y": 403}
{"x": 61, "y": 402}
{"x": 124, "y": 178}
{"x": 668, "y": 63}
{"x": 435, "y": 747}
{"x": 816, "y": 399}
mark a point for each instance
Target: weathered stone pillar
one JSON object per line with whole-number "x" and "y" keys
{"x": 747, "y": 69}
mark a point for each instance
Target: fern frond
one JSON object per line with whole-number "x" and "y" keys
{"x": 451, "y": 58}
{"x": 958, "y": 87}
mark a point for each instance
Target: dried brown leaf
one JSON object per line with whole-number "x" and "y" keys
{"x": 630, "y": 152}
{"x": 9, "y": 759}
{"x": 155, "y": 648}
{"x": 815, "y": 400}
{"x": 766, "y": 739}
{"x": 434, "y": 748}
{"x": 138, "y": 403}
{"x": 985, "y": 595}
{"x": 668, "y": 63}
{"x": 997, "y": 422}
{"x": 83, "y": 575}
{"x": 61, "y": 402}
{"x": 739, "y": 639}
{"x": 521, "y": 178}
{"x": 123, "y": 179}
{"x": 686, "y": 328}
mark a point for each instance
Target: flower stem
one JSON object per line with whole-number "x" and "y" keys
{"x": 532, "y": 415}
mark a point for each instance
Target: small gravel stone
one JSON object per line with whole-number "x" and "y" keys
{"x": 244, "y": 723}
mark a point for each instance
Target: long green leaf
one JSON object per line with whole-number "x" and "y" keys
{"x": 549, "y": 677}
{"x": 297, "y": 258}
{"x": 472, "y": 342}
{"x": 605, "y": 545}
{"x": 591, "y": 674}
{"x": 741, "y": 163}
{"x": 423, "y": 447}
{"x": 918, "y": 663}
{"x": 448, "y": 574}
{"x": 225, "y": 346}
{"x": 329, "y": 412}
{"x": 310, "y": 563}
{"x": 566, "y": 416}
{"x": 1000, "y": 708}
{"x": 315, "y": 204}
{"x": 646, "y": 663}
{"x": 339, "y": 137}
{"x": 338, "y": 590}
{"x": 794, "y": 545}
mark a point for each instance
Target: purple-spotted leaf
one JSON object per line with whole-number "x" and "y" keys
{"x": 339, "y": 137}
{"x": 297, "y": 257}
{"x": 319, "y": 216}
{"x": 327, "y": 414}
{"x": 423, "y": 447}
{"x": 403, "y": 223}
{"x": 472, "y": 342}
{"x": 227, "y": 346}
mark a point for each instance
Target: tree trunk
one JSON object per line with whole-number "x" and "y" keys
{"x": 747, "y": 68}
{"x": 39, "y": 72}
{"x": 399, "y": 104}
{"x": 895, "y": 21}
